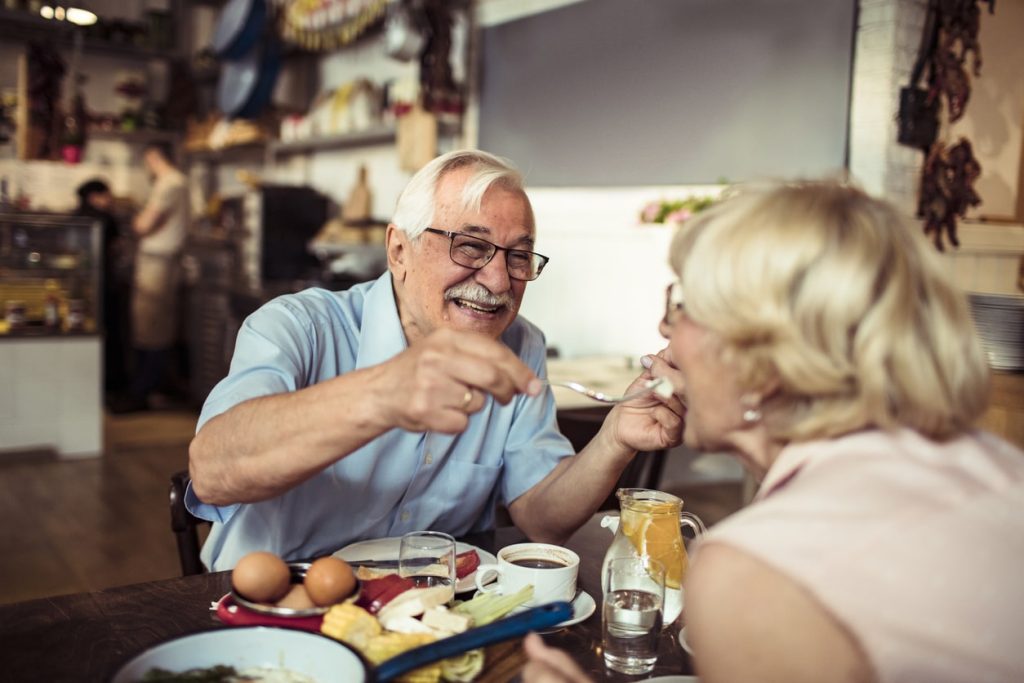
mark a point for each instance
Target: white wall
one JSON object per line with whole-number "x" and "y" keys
{"x": 603, "y": 291}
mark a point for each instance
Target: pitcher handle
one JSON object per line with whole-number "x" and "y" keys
{"x": 694, "y": 522}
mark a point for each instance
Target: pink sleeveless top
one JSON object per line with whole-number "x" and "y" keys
{"x": 917, "y": 547}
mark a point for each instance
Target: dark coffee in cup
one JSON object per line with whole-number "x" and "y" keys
{"x": 538, "y": 563}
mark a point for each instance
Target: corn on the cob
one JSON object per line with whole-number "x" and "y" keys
{"x": 350, "y": 624}
{"x": 388, "y": 645}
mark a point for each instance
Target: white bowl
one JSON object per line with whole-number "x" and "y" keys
{"x": 311, "y": 654}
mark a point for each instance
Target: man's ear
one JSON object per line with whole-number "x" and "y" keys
{"x": 396, "y": 244}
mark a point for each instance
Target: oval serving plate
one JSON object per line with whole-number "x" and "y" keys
{"x": 298, "y": 574}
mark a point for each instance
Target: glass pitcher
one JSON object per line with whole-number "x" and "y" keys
{"x": 649, "y": 525}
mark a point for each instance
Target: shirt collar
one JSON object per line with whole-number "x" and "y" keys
{"x": 787, "y": 465}
{"x": 381, "y": 336}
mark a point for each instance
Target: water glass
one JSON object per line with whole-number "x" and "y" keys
{"x": 428, "y": 558}
{"x": 634, "y": 600}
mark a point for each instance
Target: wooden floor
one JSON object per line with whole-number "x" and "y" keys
{"x": 81, "y": 525}
{"x": 71, "y": 526}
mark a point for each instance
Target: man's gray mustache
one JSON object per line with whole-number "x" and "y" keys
{"x": 477, "y": 294}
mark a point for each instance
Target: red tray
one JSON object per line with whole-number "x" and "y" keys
{"x": 233, "y": 614}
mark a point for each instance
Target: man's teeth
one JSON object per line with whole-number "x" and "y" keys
{"x": 476, "y": 306}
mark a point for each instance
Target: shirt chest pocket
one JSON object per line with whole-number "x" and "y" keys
{"x": 463, "y": 493}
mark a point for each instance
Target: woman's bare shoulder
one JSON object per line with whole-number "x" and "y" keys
{"x": 747, "y": 621}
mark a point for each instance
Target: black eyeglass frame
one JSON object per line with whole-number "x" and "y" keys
{"x": 675, "y": 305}
{"x": 540, "y": 259}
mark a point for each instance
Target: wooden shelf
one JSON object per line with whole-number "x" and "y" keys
{"x": 377, "y": 135}
{"x": 248, "y": 149}
{"x": 364, "y": 138}
{"x": 137, "y": 137}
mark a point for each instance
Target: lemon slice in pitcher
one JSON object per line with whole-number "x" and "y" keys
{"x": 655, "y": 534}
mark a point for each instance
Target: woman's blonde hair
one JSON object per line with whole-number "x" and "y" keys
{"x": 832, "y": 297}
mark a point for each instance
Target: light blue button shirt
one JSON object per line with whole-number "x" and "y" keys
{"x": 400, "y": 481}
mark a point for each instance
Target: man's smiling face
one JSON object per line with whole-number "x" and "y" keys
{"x": 433, "y": 291}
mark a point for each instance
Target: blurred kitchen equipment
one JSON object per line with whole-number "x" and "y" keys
{"x": 251, "y": 52}
{"x": 239, "y": 27}
{"x": 271, "y": 226}
{"x": 403, "y": 39}
{"x": 246, "y": 84}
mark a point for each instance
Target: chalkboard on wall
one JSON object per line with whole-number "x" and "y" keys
{"x": 658, "y": 92}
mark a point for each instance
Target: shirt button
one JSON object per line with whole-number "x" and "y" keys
{"x": 405, "y": 515}
{"x": 429, "y": 459}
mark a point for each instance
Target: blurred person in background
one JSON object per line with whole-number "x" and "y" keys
{"x": 96, "y": 201}
{"x": 814, "y": 335}
{"x": 161, "y": 227}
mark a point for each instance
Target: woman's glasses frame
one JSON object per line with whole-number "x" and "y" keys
{"x": 675, "y": 304}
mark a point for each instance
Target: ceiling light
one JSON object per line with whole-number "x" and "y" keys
{"x": 58, "y": 13}
{"x": 81, "y": 17}
{"x": 46, "y": 12}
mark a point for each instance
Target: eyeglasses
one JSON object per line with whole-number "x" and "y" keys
{"x": 473, "y": 252}
{"x": 675, "y": 305}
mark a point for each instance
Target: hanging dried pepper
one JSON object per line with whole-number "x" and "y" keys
{"x": 959, "y": 21}
{"x": 949, "y": 174}
{"x": 947, "y": 190}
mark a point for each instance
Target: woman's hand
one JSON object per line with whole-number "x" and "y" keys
{"x": 651, "y": 422}
{"x": 548, "y": 665}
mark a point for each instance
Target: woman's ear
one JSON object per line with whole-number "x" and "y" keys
{"x": 396, "y": 244}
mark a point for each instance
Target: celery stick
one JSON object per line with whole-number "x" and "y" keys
{"x": 487, "y": 607}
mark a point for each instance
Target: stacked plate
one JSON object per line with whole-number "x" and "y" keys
{"x": 999, "y": 319}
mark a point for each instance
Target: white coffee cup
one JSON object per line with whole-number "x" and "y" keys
{"x": 550, "y": 569}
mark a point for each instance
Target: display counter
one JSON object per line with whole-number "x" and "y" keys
{"x": 50, "y": 335}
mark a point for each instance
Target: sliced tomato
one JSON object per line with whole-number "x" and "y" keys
{"x": 466, "y": 563}
{"x": 375, "y": 593}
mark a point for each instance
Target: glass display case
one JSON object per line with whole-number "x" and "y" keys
{"x": 50, "y": 269}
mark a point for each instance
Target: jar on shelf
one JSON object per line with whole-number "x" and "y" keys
{"x": 51, "y": 311}
{"x": 14, "y": 314}
{"x": 75, "y": 320}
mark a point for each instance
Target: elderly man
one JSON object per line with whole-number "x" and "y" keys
{"x": 408, "y": 403}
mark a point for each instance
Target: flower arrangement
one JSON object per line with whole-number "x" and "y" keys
{"x": 674, "y": 210}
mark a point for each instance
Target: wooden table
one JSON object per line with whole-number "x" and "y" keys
{"x": 85, "y": 636}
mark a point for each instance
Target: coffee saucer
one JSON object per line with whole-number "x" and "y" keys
{"x": 582, "y": 607}
{"x": 682, "y": 640}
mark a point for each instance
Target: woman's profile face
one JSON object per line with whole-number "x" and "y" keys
{"x": 710, "y": 392}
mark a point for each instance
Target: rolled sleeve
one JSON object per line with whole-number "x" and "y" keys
{"x": 270, "y": 358}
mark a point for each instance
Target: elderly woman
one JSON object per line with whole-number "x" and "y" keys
{"x": 817, "y": 339}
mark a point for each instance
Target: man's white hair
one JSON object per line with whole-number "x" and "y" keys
{"x": 415, "y": 208}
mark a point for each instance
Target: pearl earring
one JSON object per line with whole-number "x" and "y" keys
{"x": 752, "y": 412}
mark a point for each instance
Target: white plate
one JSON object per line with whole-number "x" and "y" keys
{"x": 682, "y": 640}
{"x": 305, "y": 653}
{"x": 672, "y": 679}
{"x": 582, "y": 607}
{"x": 387, "y": 549}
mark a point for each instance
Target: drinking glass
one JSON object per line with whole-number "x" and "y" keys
{"x": 428, "y": 558}
{"x": 634, "y": 599}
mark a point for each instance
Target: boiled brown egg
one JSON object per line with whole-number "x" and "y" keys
{"x": 296, "y": 598}
{"x": 261, "y": 577}
{"x": 329, "y": 580}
